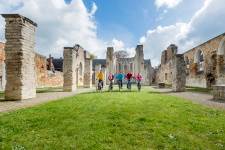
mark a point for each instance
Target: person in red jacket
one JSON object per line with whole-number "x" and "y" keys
{"x": 129, "y": 77}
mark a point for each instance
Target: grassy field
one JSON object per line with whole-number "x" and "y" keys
{"x": 125, "y": 120}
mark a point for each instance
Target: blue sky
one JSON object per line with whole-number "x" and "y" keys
{"x": 96, "y": 24}
{"x": 128, "y": 20}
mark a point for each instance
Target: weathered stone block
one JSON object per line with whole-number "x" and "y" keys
{"x": 88, "y": 73}
{"x": 19, "y": 49}
{"x": 69, "y": 69}
{"x": 219, "y": 92}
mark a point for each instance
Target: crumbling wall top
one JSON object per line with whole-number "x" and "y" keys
{"x": 19, "y": 16}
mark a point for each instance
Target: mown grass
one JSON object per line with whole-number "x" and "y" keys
{"x": 199, "y": 90}
{"x": 116, "y": 120}
{"x": 48, "y": 89}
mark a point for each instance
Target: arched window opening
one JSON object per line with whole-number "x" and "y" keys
{"x": 199, "y": 59}
{"x": 187, "y": 62}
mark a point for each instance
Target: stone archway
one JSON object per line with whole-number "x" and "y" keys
{"x": 221, "y": 57}
{"x": 199, "y": 60}
{"x": 211, "y": 74}
{"x": 221, "y": 49}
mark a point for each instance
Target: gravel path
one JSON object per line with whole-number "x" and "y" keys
{"x": 201, "y": 98}
{"x": 6, "y": 106}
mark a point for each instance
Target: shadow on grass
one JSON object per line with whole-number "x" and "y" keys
{"x": 199, "y": 90}
{"x": 217, "y": 101}
{"x": 106, "y": 91}
{"x": 49, "y": 90}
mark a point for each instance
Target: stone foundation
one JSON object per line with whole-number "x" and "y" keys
{"x": 219, "y": 92}
{"x": 19, "y": 51}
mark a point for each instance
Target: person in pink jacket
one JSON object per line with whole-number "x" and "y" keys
{"x": 139, "y": 77}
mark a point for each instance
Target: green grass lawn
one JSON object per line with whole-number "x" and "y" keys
{"x": 125, "y": 120}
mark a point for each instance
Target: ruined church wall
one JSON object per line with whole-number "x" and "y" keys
{"x": 209, "y": 49}
{"x": 194, "y": 77}
{"x": 165, "y": 73}
{"x": 44, "y": 77}
{"x": 80, "y": 64}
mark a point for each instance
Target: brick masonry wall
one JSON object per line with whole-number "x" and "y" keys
{"x": 44, "y": 78}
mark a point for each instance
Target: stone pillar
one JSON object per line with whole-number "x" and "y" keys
{"x": 139, "y": 59}
{"x": 97, "y": 69}
{"x": 87, "y": 71}
{"x": 19, "y": 51}
{"x": 69, "y": 69}
{"x": 109, "y": 61}
{"x": 179, "y": 74}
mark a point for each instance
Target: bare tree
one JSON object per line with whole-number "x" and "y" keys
{"x": 121, "y": 54}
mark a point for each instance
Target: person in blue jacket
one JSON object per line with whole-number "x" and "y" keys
{"x": 120, "y": 78}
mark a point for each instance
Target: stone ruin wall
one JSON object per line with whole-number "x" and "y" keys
{"x": 138, "y": 64}
{"x": 44, "y": 77}
{"x": 212, "y": 64}
{"x": 179, "y": 74}
{"x": 209, "y": 49}
{"x": 19, "y": 52}
{"x": 77, "y": 68}
{"x": 80, "y": 67}
{"x": 165, "y": 70}
{"x": 165, "y": 73}
{"x": 2, "y": 66}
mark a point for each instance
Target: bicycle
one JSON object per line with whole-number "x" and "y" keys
{"x": 139, "y": 86}
{"x": 99, "y": 86}
{"x": 120, "y": 84}
{"x": 111, "y": 86}
{"x": 129, "y": 85}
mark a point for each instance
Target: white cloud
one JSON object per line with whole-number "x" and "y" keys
{"x": 206, "y": 23}
{"x": 167, "y": 3}
{"x": 119, "y": 45}
{"x": 94, "y": 9}
{"x": 59, "y": 24}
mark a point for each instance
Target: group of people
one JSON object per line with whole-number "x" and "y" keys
{"x": 120, "y": 77}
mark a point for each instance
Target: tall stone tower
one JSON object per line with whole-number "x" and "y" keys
{"x": 109, "y": 61}
{"x": 139, "y": 59}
